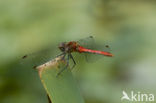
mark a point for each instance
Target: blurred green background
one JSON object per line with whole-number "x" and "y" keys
{"x": 129, "y": 26}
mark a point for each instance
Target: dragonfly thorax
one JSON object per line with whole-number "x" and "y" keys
{"x": 68, "y": 47}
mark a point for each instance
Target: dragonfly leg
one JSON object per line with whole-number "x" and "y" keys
{"x": 64, "y": 55}
{"x": 61, "y": 55}
{"x": 73, "y": 61}
{"x": 64, "y": 67}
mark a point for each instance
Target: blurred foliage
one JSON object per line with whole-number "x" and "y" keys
{"x": 31, "y": 25}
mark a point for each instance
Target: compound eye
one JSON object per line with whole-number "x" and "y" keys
{"x": 62, "y": 48}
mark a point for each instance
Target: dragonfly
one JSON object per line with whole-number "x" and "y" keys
{"x": 81, "y": 46}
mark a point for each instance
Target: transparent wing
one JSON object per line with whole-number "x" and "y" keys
{"x": 87, "y": 42}
{"x": 94, "y": 57}
{"x": 90, "y": 43}
{"x": 37, "y": 58}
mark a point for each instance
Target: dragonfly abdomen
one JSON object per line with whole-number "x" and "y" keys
{"x": 82, "y": 49}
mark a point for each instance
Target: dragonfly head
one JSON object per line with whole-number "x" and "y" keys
{"x": 62, "y": 46}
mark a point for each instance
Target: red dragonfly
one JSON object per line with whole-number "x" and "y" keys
{"x": 75, "y": 46}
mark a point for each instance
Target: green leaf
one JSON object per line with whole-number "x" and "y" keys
{"x": 61, "y": 88}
